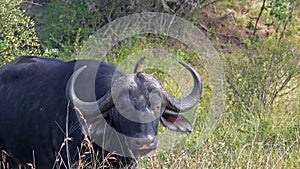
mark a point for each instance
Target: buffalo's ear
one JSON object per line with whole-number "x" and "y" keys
{"x": 175, "y": 122}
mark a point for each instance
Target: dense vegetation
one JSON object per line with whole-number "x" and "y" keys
{"x": 17, "y": 34}
{"x": 258, "y": 42}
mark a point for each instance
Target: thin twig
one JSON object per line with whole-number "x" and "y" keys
{"x": 259, "y": 15}
{"x": 275, "y": 93}
{"x": 286, "y": 152}
{"x": 290, "y": 91}
{"x": 32, "y": 3}
{"x": 217, "y": 33}
{"x": 288, "y": 21}
{"x": 210, "y": 3}
{"x": 67, "y": 136}
{"x": 33, "y": 158}
{"x": 235, "y": 91}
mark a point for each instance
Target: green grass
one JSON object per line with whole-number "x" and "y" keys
{"x": 238, "y": 142}
{"x": 265, "y": 137}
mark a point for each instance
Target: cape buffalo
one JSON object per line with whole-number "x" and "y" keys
{"x": 48, "y": 107}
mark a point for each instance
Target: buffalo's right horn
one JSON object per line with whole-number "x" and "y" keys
{"x": 188, "y": 102}
{"x": 88, "y": 108}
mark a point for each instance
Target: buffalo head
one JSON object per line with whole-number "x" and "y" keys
{"x": 125, "y": 119}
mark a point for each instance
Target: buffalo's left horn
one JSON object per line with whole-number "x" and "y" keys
{"x": 188, "y": 102}
{"x": 88, "y": 108}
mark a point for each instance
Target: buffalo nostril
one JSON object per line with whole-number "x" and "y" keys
{"x": 141, "y": 142}
{"x": 152, "y": 141}
{"x": 145, "y": 143}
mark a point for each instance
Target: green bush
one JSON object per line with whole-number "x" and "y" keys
{"x": 66, "y": 25}
{"x": 281, "y": 16}
{"x": 260, "y": 74}
{"x": 17, "y": 34}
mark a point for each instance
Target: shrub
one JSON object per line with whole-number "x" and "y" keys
{"x": 260, "y": 74}
{"x": 65, "y": 25}
{"x": 17, "y": 34}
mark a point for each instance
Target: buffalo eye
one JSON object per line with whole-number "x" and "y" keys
{"x": 155, "y": 102}
{"x": 155, "y": 108}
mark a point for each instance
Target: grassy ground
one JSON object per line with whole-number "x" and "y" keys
{"x": 255, "y": 137}
{"x": 240, "y": 142}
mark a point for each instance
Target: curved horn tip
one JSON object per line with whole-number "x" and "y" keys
{"x": 191, "y": 69}
{"x": 187, "y": 103}
{"x": 186, "y": 65}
